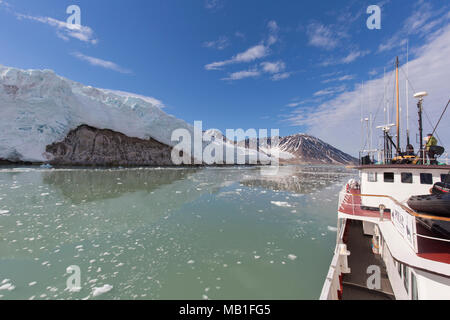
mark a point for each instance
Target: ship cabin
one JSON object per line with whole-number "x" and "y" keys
{"x": 376, "y": 227}
{"x": 400, "y": 181}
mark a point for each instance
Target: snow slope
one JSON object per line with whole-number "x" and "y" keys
{"x": 38, "y": 108}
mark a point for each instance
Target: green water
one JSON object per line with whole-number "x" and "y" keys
{"x": 212, "y": 233}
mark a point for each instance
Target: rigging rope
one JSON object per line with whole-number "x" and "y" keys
{"x": 434, "y": 130}
{"x": 426, "y": 114}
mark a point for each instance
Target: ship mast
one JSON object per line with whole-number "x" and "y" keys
{"x": 398, "y": 108}
{"x": 407, "y": 92}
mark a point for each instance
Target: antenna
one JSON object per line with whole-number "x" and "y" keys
{"x": 384, "y": 95}
{"x": 407, "y": 91}
{"x": 362, "y": 120}
{"x": 420, "y": 96}
{"x": 398, "y": 108}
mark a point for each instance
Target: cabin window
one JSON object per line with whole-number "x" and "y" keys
{"x": 445, "y": 178}
{"x": 372, "y": 177}
{"x": 407, "y": 177}
{"x": 406, "y": 277}
{"x": 415, "y": 291}
{"x": 389, "y": 177}
{"x": 426, "y": 178}
{"x": 399, "y": 268}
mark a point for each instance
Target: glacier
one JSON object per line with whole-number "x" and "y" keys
{"x": 39, "y": 107}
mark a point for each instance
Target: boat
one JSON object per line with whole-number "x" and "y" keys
{"x": 389, "y": 248}
{"x": 437, "y": 204}
{"x": 441, "y": 187}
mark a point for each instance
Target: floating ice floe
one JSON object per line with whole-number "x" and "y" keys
{"x": 101, "y": 290}
{"x": 292, "y": 257}
{"x": 281, "y": 204}
{"x": 7, "y": 286}
{"x": 332, "y": 229}
{"x": 4, "y": 212}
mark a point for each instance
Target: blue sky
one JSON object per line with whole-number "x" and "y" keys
{"x": 231, "y": 64}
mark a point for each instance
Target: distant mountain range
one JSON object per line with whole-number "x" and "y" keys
{"x": 304, "y": 149}
{"x": 46, "y": 118}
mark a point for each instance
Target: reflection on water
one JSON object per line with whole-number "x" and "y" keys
{"x": 91, "y": 185}
{"x": 217, "y": 233}
{"x": 299, "y": 179}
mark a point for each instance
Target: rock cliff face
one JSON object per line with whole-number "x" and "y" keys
{"x": 308, "y": 149}
{"x": 301, "y": 149}
{"x": 89, "y": 146}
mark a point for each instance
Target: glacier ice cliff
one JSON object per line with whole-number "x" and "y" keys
{"x": 39, "y": 109}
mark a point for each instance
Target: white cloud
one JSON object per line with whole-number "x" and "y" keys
{"x": 330, "y": 91}
{"x": 251, "y": 54}
{"x": 281, "y": 76}
{"x": 64, "y": 30}
{"x": 352, "y": 56}
{"x": 4, "y": 4}
{"x": 422, "y": 22}
{"x": 101, "y": 63}
{"x": 219, "y": 44}
{"x": 243, "y": 74}
{"x": 273, "y": 67}
{"x": 213, "y": 4}
{"x": 342, "y": 78}
{"x": 337, "y": 119}
{"x": 273, "y": 32}
{"x": 321, "y": 36}
{"x": 239, "y": 35}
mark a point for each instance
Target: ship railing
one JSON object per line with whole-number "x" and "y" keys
{"x": 332, "y": 288}
{"x": 368, "y": 157}
{"x": 402, "y": 217}
{"x": 445, "y": 159}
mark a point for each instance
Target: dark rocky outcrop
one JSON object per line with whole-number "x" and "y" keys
{"x": 305, "y": 149}
{"x": 89, "y": 146}
{"x": 311, "y": 150}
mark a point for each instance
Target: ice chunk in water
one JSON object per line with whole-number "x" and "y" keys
{"x": 332, "y": 229}
{"x": 98, "y": 291}
{"x": 281, "y": 204}
{"x": 292, "y": 257}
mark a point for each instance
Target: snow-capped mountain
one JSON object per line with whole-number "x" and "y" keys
{"x": 39, "y": 108}
{"x": 301, "y": 148}
{"x": 307, "y": 149}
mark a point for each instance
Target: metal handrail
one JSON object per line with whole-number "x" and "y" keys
{"x": 408, "y": 210}
{"x": 399, "y": 205}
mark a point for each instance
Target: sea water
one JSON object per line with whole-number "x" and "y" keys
{"x": 167, "y": 233}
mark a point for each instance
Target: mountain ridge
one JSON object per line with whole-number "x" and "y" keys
{"x": 301, "y": 148}
{"x": 47, "y": 118}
